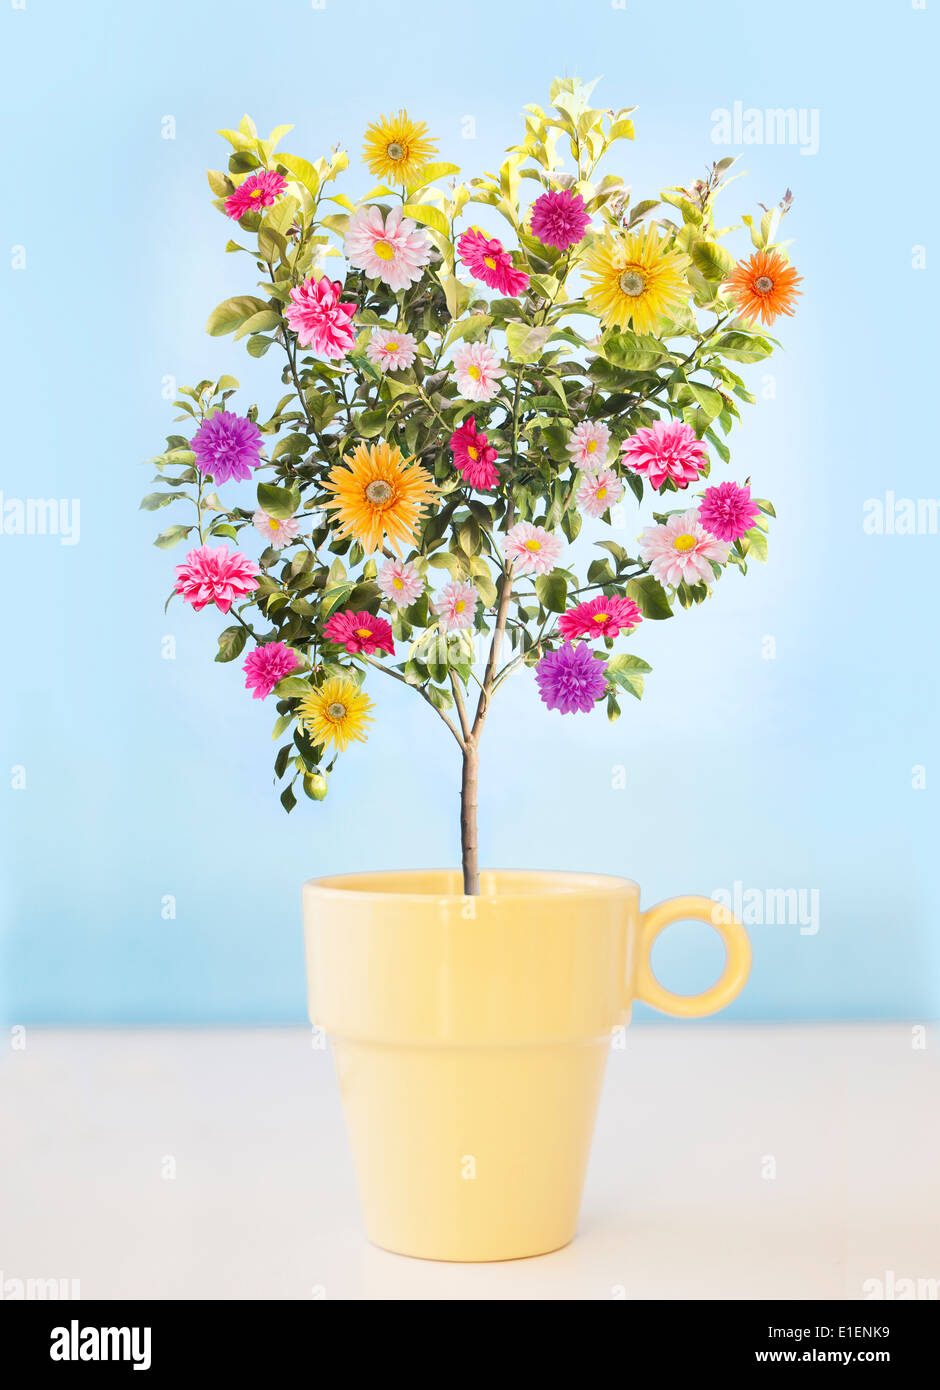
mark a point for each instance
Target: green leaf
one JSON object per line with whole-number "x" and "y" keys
{"x": 231, "y": 642}
{"x": 302, "y": 170}
{"x": 634, "y": 352}
{"x": 758, "y": 546}
{"x": 711, "y": 401}
{"x": 171, "y": 536}
{"x": 154, "y": 500}
{"x": 525, "y": 343}
{"x": 429, "y": 216}
{"x": 712, "y": 260}
{"x": 742, "y": 347}
{"x": 428, "y": 173}
{"x": 279, "y": 502}
{"x": 226, "y": 317}
{"x": 292, "y": 688}
{"x": 552, "y": 591}
{"x": 627, "y": 672}
{"x": 650, "y": 597}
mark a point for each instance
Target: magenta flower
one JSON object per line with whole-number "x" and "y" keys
{"x": 727, "y": 511}
{"x": 486, "y": 260}
{"x": 474, "y": 456}
{"x": 666, "y": 451}
{"x": 360, "y": 632}
{"x": 227, "y": 446}
{"x": 258, "y": 191}
{"x": 215, "y": 576}
{"x": 599, "y": 617}
{"x": 559, "y": 219}
{"x": 320, "y": 319}
{"x": 266, "y": 666}
{"x": 571, "y": 679}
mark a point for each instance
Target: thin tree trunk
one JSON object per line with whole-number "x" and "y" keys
{"x": 468, "y": 819}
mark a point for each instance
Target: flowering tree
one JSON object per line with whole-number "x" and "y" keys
{"x": 454, "y": 409}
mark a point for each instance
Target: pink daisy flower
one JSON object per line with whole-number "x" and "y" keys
{"x": 277, "y": 531}
{"x": 559, "y": 219}
{"x": 571, "y": 679}
{"x": 360, "y": 632}
{"x": 599, "y": 617}
{"x": 266, "y": 666}
{"x": 588, "y": 445}
{"x": 532, "y": 549}
{"x": 598, "y": 491}
{"x": 486, "y": 260}
{"x": 478, "y": 371}
{"x": 400, "y": 582}
{"x": 456, "y": 606}
{"x": 727, "y": 511}
{"x": 667, "y": 450}
{"x": 258, "y": 191}
{"x": 215, "y": 576}
{"x": 681, "y": 549}
{"x": 474, "y": 456}
{"x": 390, "y": 350}
{"x": 392, "y": 250}
{"x": 320, "y": 319}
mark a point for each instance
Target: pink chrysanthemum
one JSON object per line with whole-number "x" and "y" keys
{"x": 486, "y": 260}
{"x": 681, "y": 549}
{"x": 456, "y": 606}
{"x": 215, "y": 576}
{"x": 360, "y": 632}
{"x": 559, "y": 219}
{"x": 666, "y": 450}
{"x": 599, "y": 617}
{"x": 571, "y": 679}
{"x": 400, "y": 582}
{"x": 266, "y": 666}
{"x": 598, "y": 491}
{"x": 320, "y": 319}
{"x": 258, "y": 191}
{"x": 277, "y": 531}
{"x": 478, "y": 371}
{"x": 474, "y": 456}
{"x": 588, "y": 445}
{"x": 532, "y": 549}
{"x": 727, "y": 511}
{"x": 391, "y": 249}
{"x": 227, "y": 446}
{"x": 390, "y": 350}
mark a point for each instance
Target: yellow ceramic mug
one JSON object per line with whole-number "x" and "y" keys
{"x": 470, "y": 1037}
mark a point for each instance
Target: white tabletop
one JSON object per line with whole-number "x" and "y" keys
{"x": 729, "y": 1162}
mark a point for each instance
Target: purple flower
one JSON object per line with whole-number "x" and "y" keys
{"x": 726, "y": 511}
{"x": 571, "y": 678}
{"x": 227, "y": 446}
{"x": 559, "y": 219}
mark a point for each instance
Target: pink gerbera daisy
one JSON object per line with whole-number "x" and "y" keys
{"x": 215, "y": 576}
{"x": 681, "y": 549}
{"x": 486, "y": 260}
{"x": 456, "y": 606}
{"x": 320, "y": 319}
{"x": 390, "y": 350}
{"x": 727, "y": 511}
{"x": 599, "y": 617}
{"x": 400, "y": 582}
{"x": 266, "y": 666}
{"x": 559, "y": 219}
{"x": 598, "y": 491}
{"x": 277, "y": 531}
{"x": 532, "y": 549}
{"x": 474, "y": 456}
{"x": 478, "y": 371}
{"x": 391, "y": 249}
{"x": 588, "y": 445}
{"x": 360, "y": 632}
{"x": 667, "y": 450}
{"x": 258, "y": 191}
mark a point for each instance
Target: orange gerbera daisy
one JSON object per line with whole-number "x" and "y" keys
{"x": 764, "y": 286}
{"x": 377, "y": 493}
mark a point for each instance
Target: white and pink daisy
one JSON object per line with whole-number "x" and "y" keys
{"x": 598, "y": 491}
{"x": 390, "y": 249}
{"x": 277, "y": 531}
{"x": 478, "y": 371}
{"x": 588, "y": 445}
{"x": 532, "y": 549}
{"x": 400, "y": 582}
{"x": 456, "y": 606}
{"x": 390, "y": 350}
{"x": 681, "y": 549}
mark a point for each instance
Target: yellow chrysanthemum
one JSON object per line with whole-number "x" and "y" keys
{"x": 337, "y": 712}
{"x": 633, "y": 279}
{"x": 396, "y": 148}
{"x": 378, "y": 493}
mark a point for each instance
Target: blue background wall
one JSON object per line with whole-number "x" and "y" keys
{"x": 148, "y": 777}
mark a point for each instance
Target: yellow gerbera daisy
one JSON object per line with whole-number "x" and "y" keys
{"x": 396, "y": 148}
{"x": 633, "y": 279}
{"x": 336, "y": 712}
{"x": 378, "y": 493}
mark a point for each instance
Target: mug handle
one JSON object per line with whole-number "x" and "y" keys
{"x": 737, "y": 962}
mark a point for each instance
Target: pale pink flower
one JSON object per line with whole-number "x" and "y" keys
{"x": 320, "y": 318}
{"x": 588, "y": 445}
{"x": 456, "y": 606}
{"x": 532, "y": 549}
{"x": 390, "y": 350}
{"x": 393, "y": 249}
{"x": 277, "y": 531}
{"x": 669, "y": 449}
{"x": 681, "y": 549}
{"x": 478, "y": 371}
{"x": 400, "y": 582}
{"x": 598, "y": 491}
